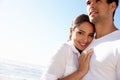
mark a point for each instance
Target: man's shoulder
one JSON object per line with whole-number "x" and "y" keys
{"x": 115, "y": 35}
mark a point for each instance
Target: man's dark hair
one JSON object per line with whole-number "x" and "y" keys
{"x": 117, "y": 3}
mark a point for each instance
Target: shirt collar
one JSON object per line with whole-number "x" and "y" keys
{"x": 74, "y": 50}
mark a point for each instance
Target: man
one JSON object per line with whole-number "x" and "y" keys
{"x": 105, "y": 61}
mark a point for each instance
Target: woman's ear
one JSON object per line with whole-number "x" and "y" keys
{"x": 71, "y": 30}
{"x": 70, "y": 33}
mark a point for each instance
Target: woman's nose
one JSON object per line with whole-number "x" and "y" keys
{"x": 85, "y": 39}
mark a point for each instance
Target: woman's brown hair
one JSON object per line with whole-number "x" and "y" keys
{"x": 78, "y": 21}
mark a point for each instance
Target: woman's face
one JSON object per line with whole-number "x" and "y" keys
{"x": 82, "y": 35}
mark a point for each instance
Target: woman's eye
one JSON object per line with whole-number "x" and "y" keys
{"x": 97, "y": 0}
{"x": 80, "y": 32}
{"x": 91, "y": 35}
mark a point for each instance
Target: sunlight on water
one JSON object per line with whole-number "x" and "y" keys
{"x": 17, "y": 71}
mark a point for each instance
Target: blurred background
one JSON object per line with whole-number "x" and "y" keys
{"x": 30, "y": 31}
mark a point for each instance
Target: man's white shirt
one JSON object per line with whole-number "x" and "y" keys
{"x": 105, "y": 61}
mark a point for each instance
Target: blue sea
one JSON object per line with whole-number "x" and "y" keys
{"x": 20, "y": 71}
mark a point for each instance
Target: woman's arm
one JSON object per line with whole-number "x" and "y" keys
{"x": 83, "y": 68}
{"x": 55, "y": 68}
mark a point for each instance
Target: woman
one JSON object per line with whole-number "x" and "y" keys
{"x": 68, "y": 63}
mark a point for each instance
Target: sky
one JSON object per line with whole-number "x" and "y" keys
{"x": 30, "y": 30}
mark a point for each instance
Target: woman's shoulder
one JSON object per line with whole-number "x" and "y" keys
{"x": 62, "y": 48}
{"x": 65, "y": 46}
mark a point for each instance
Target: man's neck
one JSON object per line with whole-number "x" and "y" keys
{"x": 103, "y": 29}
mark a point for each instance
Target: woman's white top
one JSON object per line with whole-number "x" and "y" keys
{"x": 63, "y": 63}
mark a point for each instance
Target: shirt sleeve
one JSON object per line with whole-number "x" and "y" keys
{"x": 56, "y": 67}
